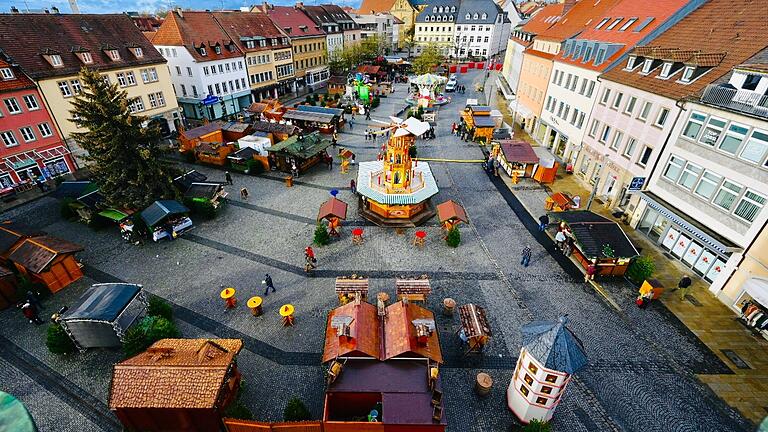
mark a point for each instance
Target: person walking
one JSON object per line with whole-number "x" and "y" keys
{"x": 526, "y": 256}
{"x": 368, "y": 113}
{"x": 30, "y": 312}
{"x": 335, "y": 139}
{"x": 591, "y": 270}
{"x": 34, "y": 300}
{"x": 228, "y": 177}
{"x": 543, "y": 222}
{"x": 684, "y": 286}
{"x": 353, "y": 186}
{"x": 453, "y": 128}
{"x": 352, "y": 121}
{"x": 268, "y": 283}
{"x": 244, "y": 194}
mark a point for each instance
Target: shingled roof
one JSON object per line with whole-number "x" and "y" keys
{"x": 554, "y": 345}
{"x": 195, "y": 29}
{"x": 174, "y": 373}
{"x": 243, "y": 26}
{"x": 36, "y": 253}
{"x": 25, "y": 37}
{"x": 294, "y": 22}
{"x": 368, "y": 6}
{"x": 734, "y": 30}
{"x": 364, "y": 336}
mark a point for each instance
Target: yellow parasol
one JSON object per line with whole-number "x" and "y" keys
{"x": 227, "y": 293}
{"x": 286, "y": 310}
{"x": 254, "y": 302}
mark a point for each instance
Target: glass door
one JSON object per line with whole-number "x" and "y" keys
{"x": 649, "y": 218}
{"x": 693, "y": 252}
{"x": 681, "y": 246}
{"x": 704, "y": 262}
{"x": 715, "y": 270}
{"x": 659, "y": 228}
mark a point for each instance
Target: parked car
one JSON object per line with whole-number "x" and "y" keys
{"x": 451, "y": 86}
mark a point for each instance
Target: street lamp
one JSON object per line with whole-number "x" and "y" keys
{"x": 596, "y": 178}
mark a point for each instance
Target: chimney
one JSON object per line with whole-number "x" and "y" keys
{"x": 265, "y": 7}
{"x": 422, "y": 334}
{"x": 14, "y": 10}
{"x": 55, "y": 10}
{"x": 567, "y": 5}
{"x": 178, "y": 11}
{"x": 299, "y": 5}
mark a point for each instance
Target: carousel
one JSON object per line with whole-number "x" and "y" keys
{"x": 428, "y": 94}
{"x": 396, "y": 191}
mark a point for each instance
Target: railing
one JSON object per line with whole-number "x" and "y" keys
{"x": 745, "y": 101}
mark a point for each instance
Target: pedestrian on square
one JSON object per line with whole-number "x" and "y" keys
{"x": 496, "y": 167}
{"x": 268, "y": 283}
{"x": 30, "y": 312}
{"x": 228, "y": 177}
{"x": 34, "y": 300}
{"x": 352, "y": 159}
{"x": 684, "y": 286}
{"x": 560, "y": 239}
{"x": 453, "y": 128}
{"x": 368, "y": 113}
{"x": 309, "y": 252}
{"x": 352, "y": 121}
{"x": 335, "y": 139}
{"x": 568, "y": 247}
{"x": 543, "y": 222}
{"x": 244, "y": 194}
{"x": 353, "y": 186}
{"x": 591, "y": 270}
{"x": 329, "y": 161}
{"x": 526, "y": 256}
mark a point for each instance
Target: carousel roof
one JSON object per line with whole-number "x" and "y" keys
{"x": 428, "y": 80}
{"x": 554, "y": 345}
{"x": 364, "y": 178}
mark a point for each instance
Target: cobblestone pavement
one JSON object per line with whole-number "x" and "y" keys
{"x": 642, "y": 366}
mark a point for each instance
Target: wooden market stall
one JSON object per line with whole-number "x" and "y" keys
{"x": 349, "y": 288}
{"x": 214, "y": 132}
{"x": 305, "y": 150}
{"x": 597, "y": 238}
{"x": 47, "y": 260}
{"x": 451, "y": 214}
{"x": 337, "y": 122}
{"x": 208, "y": 193}
{"x": 352, "y": 330}
{"x": 337, "y": 85}
{"x": 334, "y": 211}
{"x": 11, "y": 234}
{"x": 479, "y": 123}
{"x": 475, "y": 330}
{"x": 184, "y": 181}
{"x": 267, "y": 109}
{"x": 277, "y": 131}
{"x": 166, "y": 219}
{"x": 213, "y": 153}
{"x": 311, "y": 121}
{"x": 8, "y": 295}
{"x": 516, "y": 158}
{"x": 560, "y": 201}
{"x": 103, "y": 314}
{"x": 413, "y": 289}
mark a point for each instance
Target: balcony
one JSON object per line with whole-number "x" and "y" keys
{"x": 743, "y": 101}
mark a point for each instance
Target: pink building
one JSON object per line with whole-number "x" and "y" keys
{"x": 31, "y": 146}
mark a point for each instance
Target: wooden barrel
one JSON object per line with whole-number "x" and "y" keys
{"x": 483, "y": 384}
{"x": 449, "y": 305}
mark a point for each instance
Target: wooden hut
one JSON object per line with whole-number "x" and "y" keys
{"x": 516, "y": 158}
{"x": 415, "y": 289}
{"x": 334, "y": 211}
{"x": 351, "y": 288}
{"x": 217, "y": 132}
{"x": 479, "y": 122}
{"x": 267, "y": 109}
{"x": 213, "y": 153}
{"x": 277, "y": 131}
{"x": 475, "y": 330}
{"x": 311, "y": 121}
{"x": 337, "y": 121}
{"x": 337, "y": 85}
{"x": 7, "y": 288}
{"x": 47, "y": 260}
{"x": 451, "y": 214}
{"x": 352, "y": 330}
{"x": 11, "y": 234}
{"x": 305, "y": 150}
{"x": 176, "y": 384}
{"x": 599, "y": 239}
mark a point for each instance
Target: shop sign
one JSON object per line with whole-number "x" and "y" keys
{"x": 210, "y": 100}
{"x": 22, "y": 164}
{"x": 636, "y": 184}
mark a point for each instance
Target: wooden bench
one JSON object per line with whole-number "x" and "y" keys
{"x": 415, "y": 290}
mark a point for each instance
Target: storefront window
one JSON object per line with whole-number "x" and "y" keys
{"x": 56, "y": 167}
{"x": 681, "y": 245}
{"x": 693, "y": 252}
{"x": 715, "y": 270}
{"x": 648, "y": 220}
{"x": 6, "y": 181}
{"x": 670, "y": 239}
{"x": 704, "y": 262}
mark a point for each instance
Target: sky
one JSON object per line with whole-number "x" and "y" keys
{"x": 111, "y": 6}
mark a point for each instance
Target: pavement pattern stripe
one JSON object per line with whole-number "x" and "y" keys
{"x": 291, "y": 216}
{"x": 68, "y": 392}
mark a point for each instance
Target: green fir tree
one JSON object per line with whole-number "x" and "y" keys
{"x": 123, "y": 156}
{"x": 322, "y": 237}
{"x": 58, "y": 341}
{"x": 453, "y": 239}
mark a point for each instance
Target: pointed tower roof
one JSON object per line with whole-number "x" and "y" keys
{"x": 554, "y": 345}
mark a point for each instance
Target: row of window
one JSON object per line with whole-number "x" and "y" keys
{"x": 628, "y": 107}
{"x": 624, "y": 27}
{"x": 311, "y": 62}
{"x": 434, "y": 39}
{"x": 222, "y": 68}
{"x": 310, "y": 47}
{"x": 668, "y": 69}
{"x": 69, "y": 88}
{"x": 27, "y": 133}
{"x": 86, "y": 57}
{"x": 438, "y": 18}
{"x": 441, "y": 9}
{"x": 259, "y": 59}
{"x": 284, "y": 70}
{"x": 263, "y": 42}
{"x": 563, "y": 109}
{"x": 532, "y": 92}
{"x": 732, "y": 138}
{"x": 472, "y": 28}
{"x": 261, "y": 77}
{"x": 282, "y": 55}
{"x": 472, "y": 39}
{"x": 423, "y": 28}
{"x": 156, "y": 100}
{"x": 444, "y": 29}
{"x": 616, "y": 142}
{"x": 222, "y": 88}
{"x": 184, "y": 90}
{"x": 12, "y": 105}
{"x": 723, "y": 193}
{"x": 572, "y": 82}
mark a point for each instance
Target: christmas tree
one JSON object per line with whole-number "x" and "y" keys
{"x": 123, "y": 156}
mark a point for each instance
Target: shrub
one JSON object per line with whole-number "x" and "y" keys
{"x": 322, "y": 237}
{"x": 295, "y": 410}
{"x": 308, "y": 99}
{"x": 453, "y": 239}
{"x": 134, "y": 341}
{"x": 66, "y": 210}
{"x": 159, "y": 308}
{"x": 150, "y": 330}
{"x": 640, "y": 269}
{"x": 238, "y": 410}
{"x": 58, "y": 341}
{"x": 202, "y": 208}
{"x": 536, "y": 426}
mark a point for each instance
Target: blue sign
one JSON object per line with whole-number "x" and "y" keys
{"x": 210, "y": 100}
{"x": 636, "y": 184}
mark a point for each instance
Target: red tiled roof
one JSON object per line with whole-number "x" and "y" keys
{"x": 192, "y": 29}
{"x": 541, "y": 54}
{"x": 577, "y": 18}
{"x": 147, "y": 23}
{"x": 545, "y": 18}
{"x": 19, "y": 81}
{"x": 660, "y": 11}
{"x": 368, "y": 6}
{"x": 734, "y": 28}
{"x": 24, "y": 37}
{"x": 246, "y": 24}
{"x": 294, "y": 22}
{"x": 400, "y": 333}
{"x": 364, "y": 335}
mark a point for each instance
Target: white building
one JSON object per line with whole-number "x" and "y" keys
{"x": 385, "y": 26}
{"x": 204, "y": 64}
{"x": 435, "y": 27}
{"x": 482, "y": 29}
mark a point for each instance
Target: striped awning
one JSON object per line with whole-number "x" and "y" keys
{"x": 364, "y": 176}
{"x": 721, "y": 245}
{"x": 53, "y": 152}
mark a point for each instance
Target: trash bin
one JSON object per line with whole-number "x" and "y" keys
{"x": 289, "y": 181}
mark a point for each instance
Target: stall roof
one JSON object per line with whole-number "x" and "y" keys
{"x": 4, "y": 271}
{"x": 236, "y": 127}
{"x": 203, "y": 130}
{"x": 184, "y": 181}
{"x": 554, "y": 345}
{"x": 12, "y": 232}
{"x": 323, "y": 110}
{"x": 74, "y": 189}
{"x": 115, "y": 215}
{"x": 400, "y": 332}
{"x": 501, "y": 134}
{"x": 593, "y": 231}
{"x": 518, "y": 151}
{"x": 36, "y": 253}
{"x": 91, "y": 199}
{"x": 333, "y": 207}
{"x": 364, "y": 335}
{"x": 480, "y": 109}
{"x": 451, "y": 210}
{"x": 366, "y": 170}
{"x": 309, "y": 116}
{"x": 311, "y": 145}
{"x": 244, "y": 153}
{"x": 203, "y": 190}
{"x": 483, "y": 121}
{"x": 275, "y": 128}
{"x": 337, "y": 79}
{"x": 159, "y": 210}
{"x": 102, "y": 302}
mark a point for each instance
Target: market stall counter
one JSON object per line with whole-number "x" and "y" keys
{"x": 166, "y": 219}
{"x": 337, "y": 122}
{"x": 302, "y": 150}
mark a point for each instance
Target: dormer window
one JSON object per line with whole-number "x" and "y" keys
{"x": 467, "y": 16}
{"x": 138, "y": 52}
{"x": 113, "y": 54}
{"x": 485, "y": 16}
{"x": 602, "y": 23}
{"x": 6, "y": 73}
{"x": 440, "y": 9}
{"x": 665, "y": 70}
{"x": 450, "y": 18}
{"x": 453, "y": 9}
{"x": 202, "y": 51}
{"x": 434, "y": 9}
{"x": 687, "y": 74}
{"x": 475, "y": 16}
{"x": 303, "y": 28}
{"x": 217, "y": 49}
{"x": 631, "y": 62}
{"x": 647, "y": 66}
{"x": 614, "y": 23}
{"x": 54, "y": 60}
{"x": 85, "y": 57}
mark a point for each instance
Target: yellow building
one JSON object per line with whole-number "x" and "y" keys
{"x": 749, "y": 282}
{"x": 407, "y": 11}
{"x": 52, "y": 49}
{"x": 310, "y": 57}
{"x": 268, "y": 53}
